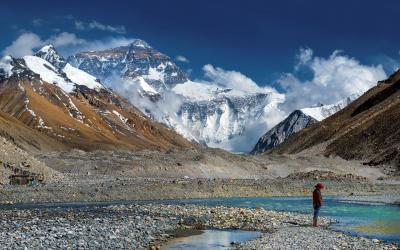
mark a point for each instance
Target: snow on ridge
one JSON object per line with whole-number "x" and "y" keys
{"x": 80, "y": 77}
{"x": 48, "y": 72}
{"x": 121, "y": 117}
{"x": 145, "y": 86}
{"x": 46, "y": 48}
{"x": 154, "y": 74}
{"x": 51, "y": 74}
{"x": 324, "y": 111}
{"x": 198, "y": 91}
{"x": 315, "y": 113}
{"x": 195, "y": 91}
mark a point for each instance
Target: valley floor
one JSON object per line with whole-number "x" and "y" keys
{"x": 79, "y": 176}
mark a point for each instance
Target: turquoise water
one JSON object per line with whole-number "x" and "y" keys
{"x": 211, "y": 240}
{"x": 374, "y": 220}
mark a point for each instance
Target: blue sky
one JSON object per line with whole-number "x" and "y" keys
{"x": 260, "y": 39}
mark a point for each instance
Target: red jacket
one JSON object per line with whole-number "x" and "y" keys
{"x": 317, "y": 197}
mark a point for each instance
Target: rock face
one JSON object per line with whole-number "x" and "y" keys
{"x": 296, "y": 121}
{"x": 365, "y": 130}
{"x": 72, "y": 109}
{"x": 203, "y": 112}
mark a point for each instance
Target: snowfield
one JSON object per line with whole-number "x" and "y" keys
{"x": 48, "y": 72}
{"x": 80, "y": 77}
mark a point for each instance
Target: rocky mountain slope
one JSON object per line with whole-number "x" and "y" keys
{"x": 367, "y": 129}
{"x": 296, "y": 121}
{"x": 205, "y": 112}
{"x": 72, "y": 109}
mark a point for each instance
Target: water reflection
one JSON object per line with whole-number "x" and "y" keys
{"x": 211, "y": 239}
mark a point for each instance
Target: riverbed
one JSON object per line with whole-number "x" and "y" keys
{"x": 139, "y": 225}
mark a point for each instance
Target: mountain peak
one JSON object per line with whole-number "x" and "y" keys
{"x": 140, "y": 43}
{"x": 47, "y": 48}
{"x": 50, "y": 54}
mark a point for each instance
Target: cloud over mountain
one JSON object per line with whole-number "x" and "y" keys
{"x": 333, "y": 78}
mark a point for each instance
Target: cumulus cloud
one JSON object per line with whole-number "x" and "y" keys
{"x": 65, "y": 39}
{"x": 181, "y": 58}
{"x": 334, "y": 78}
{"x": 232, "y": 79}
{"x": 23, "y": 45}
{"x": 95, "y": 25}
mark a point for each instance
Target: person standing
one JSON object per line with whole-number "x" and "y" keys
{"x": 317, "y": 202}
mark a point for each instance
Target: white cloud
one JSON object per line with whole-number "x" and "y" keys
{"x": 303, "y": 57}
{"x": 65, "y": 39}
{"x": 66, "y": 43}
{"x": 334, "y": 78}
{"x": 23, "y": 45}
{"x": 181, "y": 58}
{"x": 95, "y": 25}
{"x": 90, "y": 45}
{"x": 106, "y": 43}
{"x": 232, "y": 79}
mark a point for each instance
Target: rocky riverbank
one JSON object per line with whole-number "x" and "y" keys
{"x": 150, "y": 225}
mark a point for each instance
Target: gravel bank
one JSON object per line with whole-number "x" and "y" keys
{"x": 297, "y": 237}
{"x": 148, "y": 226}
{"x": 109, "y": 188}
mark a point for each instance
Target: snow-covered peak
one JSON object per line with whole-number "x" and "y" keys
{"x": 324, "y": 111}
{"x": 67, "y": 78}
{"x": 47, "y": 48}
{"x": 50, "y": 54}
{"x": 48, "y": 72}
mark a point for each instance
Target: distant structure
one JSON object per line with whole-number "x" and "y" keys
{"x": 21, "y": 175}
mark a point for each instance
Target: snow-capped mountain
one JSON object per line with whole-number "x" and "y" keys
{"x": 50, "y": 54}
{"x": 72, "y": 109}
{"x": 137, "y": 60}
{"x": 296, "y": 121}
{"x": 205, "y": 112}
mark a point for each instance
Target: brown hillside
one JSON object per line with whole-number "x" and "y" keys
{"x": 41, "y": 116}
{"x": 367, "y": 129}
